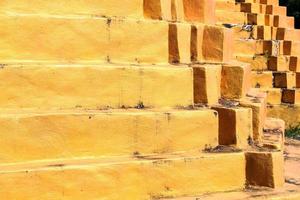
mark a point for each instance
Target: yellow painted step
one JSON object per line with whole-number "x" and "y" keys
{"x": 133, "y": 8}
{"x": 270, "y": 2}
{"x": 231, "y": 87}
{"x": 256, "y": 62}
{"x": 228, "y": 6}
{"x": 230, "y": 17}
{"x": 124, "y": 178}
{"x": 262, "y": 79}
{"x": 178, "y": 10}
{"x": 268, "y": 169}
{"x": 285, "y": 80}
{"x": 281, "y": 63}
{"x": 258, "y": 106}
{"x": 291, "y": 96}
{"x": 207, "y": 84}
{"x": 47, "y": 135}
{"x": 235, "y": 126}
{"x": 254, "y": 32}
{"x": 286, "y": 34}
{"x": 95, "y": 39}
{"x": 274, "y": 95}
{"x": 289, "y": 113}
{"x": 95, "y": 86}
{"x": 248, "y": 47}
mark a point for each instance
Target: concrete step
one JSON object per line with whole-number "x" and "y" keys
{"x": 271, "y": 162}
{"x": 96, "y": 86}
{"x": 77, "y": 133}
{"x": 179, "y": 10}
{"x": 139, "y": 177}
{"x": 291, "y": 96}
{"x": 288, "y": 112}
{"x": 269, "y": 79}
{"x": 284, "y": 80}
{"x": 268, "y": 2}
{"x": 257, "y": 103}
{"x": 207, "y": 83}
{"x": 231, "y": 87}
{"x": 213, "y": 81}
{"x": 231, "y": 17}
{"x": 252, "y": 32}
{"x": 271, "y": 63}
{"x": 250, "y": 47}
{"x": 251, "y": 7}
{"x": 277, "y": 96}
{"x": 286, "y": 34}
{"x": 259, "y": 32}
{"x": 274, "y": 95}
{"x": 116, "y": 40}
{"x": 95, "y": 39}
{"x": 257, "y": 63}
{"x": 228, "y": 5}
{"x": 274, "y": 134}
{"x": 235, "y": 126}
{"x": 262, "y": 79}
{"x": 211, "y": 44}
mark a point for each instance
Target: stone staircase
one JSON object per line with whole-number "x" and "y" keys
{"x": 271, "y": 45}
{"x": 145, "y": 100}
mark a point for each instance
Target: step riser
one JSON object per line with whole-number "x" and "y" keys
{"x": 290, "y": 114}
{"x": 95, "y": 87}
{"x": 235, "y": 126}
{"x": 258, "y": 32}
{"x": 207, "y": 84}
{"x": 211, "y": 44}
{"x": 110, "y": 40}
{"x": 63, "y": 136}
{"x": 92, "y": 39}
{"x": 259, "y": 113}
{"x": 267, "y": 167}
{"x": 254, "y": 19}
{"x": 177, "y": 10}
{"x": 251, "y": 8}
{"x": 128, "y": 180}
{"x": 231, "y": 87}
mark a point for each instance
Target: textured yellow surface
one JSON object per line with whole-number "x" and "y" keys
{"x": 285, "y": 80}
{"x": 259, "y": 115}
{"x": 273, "y": 95}
{"x": 124, "y": 178}
{"x": 289, "y": 113}
{"x": 230, "y": 17}
{"x": 216, "y": 44}
{"x": 236, "y": 80}
{"x": 71, "y": 134}
{"x": 207, "y": 83}
{"x": 261, "y": 79}
{"x": 256, "y": 62}
{"x": 265, "y": 169}
{"x": 98, "y": 86}
{"x": 71, "y": 39}
{"x": 133, "y": 8}
{"x": 235, "y": 126}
